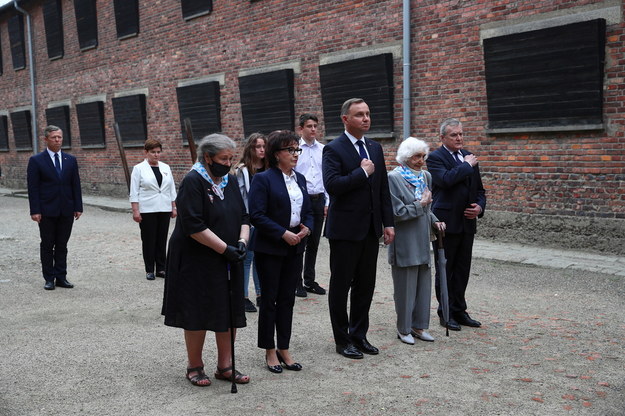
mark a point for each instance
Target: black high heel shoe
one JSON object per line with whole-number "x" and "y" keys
{"x": 292, "y": 367}
{"x": 274, "y": 368}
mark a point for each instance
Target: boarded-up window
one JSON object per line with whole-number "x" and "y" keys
{"x": 194, "y": 8}
{"x": 53, "y": 21}
{"x": 91, "y": 123}
{"x": 130, "y": 115}
{"x": 126, "y": 18}
{"x": 16, "y": 37}
{"x": 369, "y": 78}
{"x": 59, "y": 116}
{"x": 200, "y": 103}
{"x": 21, "y": 122}
{"x": 4, "y": 133}
{"x": 546, "y": 78}
{"x": 86, "y": 23}
{"x": 267, "y": 101}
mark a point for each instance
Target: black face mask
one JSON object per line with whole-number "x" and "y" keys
{"x": 218, "y": 169}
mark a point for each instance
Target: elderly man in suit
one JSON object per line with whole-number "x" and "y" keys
{"x": 360, "y": 212}
{"x": 459, "y": 199}
{"x": 55, "y": 200}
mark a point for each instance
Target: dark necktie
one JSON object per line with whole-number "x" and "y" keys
{"x": 361, "y": 149}
{"x": 57, "y": 163}
{"x": 457, "y": 158}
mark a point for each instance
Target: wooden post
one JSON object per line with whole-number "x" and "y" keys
{"x": 122, "y": 154}
{"x": 189, "y": 134}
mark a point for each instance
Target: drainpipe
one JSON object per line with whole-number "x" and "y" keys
{"x": 406, "y": 68}
{"x": 31, "y": 67}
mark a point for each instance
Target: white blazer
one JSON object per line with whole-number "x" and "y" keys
{"x": 144, "y": 188}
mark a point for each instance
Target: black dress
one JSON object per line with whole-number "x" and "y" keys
{"x": 196, "y": 288}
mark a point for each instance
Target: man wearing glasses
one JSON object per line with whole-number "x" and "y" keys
{"x": 360, "y": 212}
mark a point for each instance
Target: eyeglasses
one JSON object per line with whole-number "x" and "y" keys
{"x": 293, "y": 150}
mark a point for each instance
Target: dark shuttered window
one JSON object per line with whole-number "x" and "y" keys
{"x": 547, "y": 78}
{"x": 4, "y": 133}
{"x": 53, "y": 22}
{"x": 86, "y": 23}
{"x": 200, "y": 103}
{"x": 126, "y": 18}
{"x": 91, "y": 123}
{"x": 369, "y": 78}
{"x": 194, "y": 8}
{"x": 59, "y": 116}
{"x": 130, "y": 115}
{"x": 16, "y": 38}
{"x": 267, "y": 101}
{"x": 22, "y": 130}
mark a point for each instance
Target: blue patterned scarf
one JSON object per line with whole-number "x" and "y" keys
{"x": 417, "y": 181}
{"x": 217, "y": 189}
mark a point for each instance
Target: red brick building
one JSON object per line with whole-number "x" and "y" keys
{"x": 539, "y": 87}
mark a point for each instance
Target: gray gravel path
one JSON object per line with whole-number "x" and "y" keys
{"x": 552, "y": 341}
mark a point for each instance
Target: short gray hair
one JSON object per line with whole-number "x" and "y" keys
{"x": 213, "y": 144}
{"x": 410, "y": 147}
{"x": 347, "y": 104}
{"x": 49, "y": 129}
{"x": 449, "y": 122}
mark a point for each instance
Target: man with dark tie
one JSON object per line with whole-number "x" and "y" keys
{"x": 360, "y": 212}
{"x": 55, "y": 200}
{"x": 458, "y": 200}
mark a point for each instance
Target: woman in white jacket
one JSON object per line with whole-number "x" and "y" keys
{"x": 153, "y": 201}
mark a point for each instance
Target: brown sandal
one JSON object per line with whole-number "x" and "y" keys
{"x": 197, "y": 379}
{"x": 238, "y": 377}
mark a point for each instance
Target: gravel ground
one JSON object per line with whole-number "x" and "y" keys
{"x": 552, "y": 341}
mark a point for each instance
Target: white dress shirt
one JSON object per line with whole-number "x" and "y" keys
{"x": 309, "y": 165}
{"x": 296, "y": 197}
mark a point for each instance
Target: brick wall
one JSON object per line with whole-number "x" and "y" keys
{"x": 553, "y": 174}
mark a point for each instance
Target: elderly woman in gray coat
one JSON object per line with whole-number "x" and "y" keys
{"x": 409, "y": 253}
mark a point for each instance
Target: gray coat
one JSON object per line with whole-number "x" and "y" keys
{"x": 413, "y": 223}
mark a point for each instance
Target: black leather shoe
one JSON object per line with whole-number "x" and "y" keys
{"x": 160, "y": 274}
{"x": 64, "y": 283}
{"x": 274, "y": 368}
{"x": 452, "y": 325}
{"x": 49, "y": 285}
{"x": 315, "y": 288}
{"x": 349, "y": 351}
{"x": 150, "y": 276}
{"x": 300, "y": 292}
{"x": 466, "y": 320}
{"x": 364, "y": 346}
{"x": 292, "y": 367}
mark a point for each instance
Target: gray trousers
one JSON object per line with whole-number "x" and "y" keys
{"x": 412, "y": 288}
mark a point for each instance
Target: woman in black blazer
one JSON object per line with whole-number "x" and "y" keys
{"x": 281, "y": 212}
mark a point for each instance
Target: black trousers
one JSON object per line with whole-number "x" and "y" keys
{"x": 278, "y": 277}
{"x": 458, "y": 251}
{"x": 55, "y": 233}
{"x": 154, "y": 229}
{"x": 352, "y": 266}
{"x": 312, "y": 244}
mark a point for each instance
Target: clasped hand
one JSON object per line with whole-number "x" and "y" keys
{"x": 235, "y": 254}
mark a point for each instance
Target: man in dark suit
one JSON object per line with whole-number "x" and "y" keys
{"x": 55, "y": 201}
{"x": 458, "y": 200}
{"x": 360, "y": 212}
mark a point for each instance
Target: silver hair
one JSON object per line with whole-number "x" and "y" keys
{"x": 409, "y": 148}
{"x": 49, "y": 129}
{"x": 449, "y": 122}
{"x": 213, "y": 144}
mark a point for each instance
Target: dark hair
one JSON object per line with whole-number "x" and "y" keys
{"x": 276, "y": 141}
{"x": 152, "y": 144}
{"x": 248, "y": 158}
{"x": 305, "y": 117}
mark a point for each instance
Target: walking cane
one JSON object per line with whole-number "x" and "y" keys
{"x": 234, "y": 384}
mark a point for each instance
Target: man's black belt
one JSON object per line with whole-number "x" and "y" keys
{"x": 316, "y": 196}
